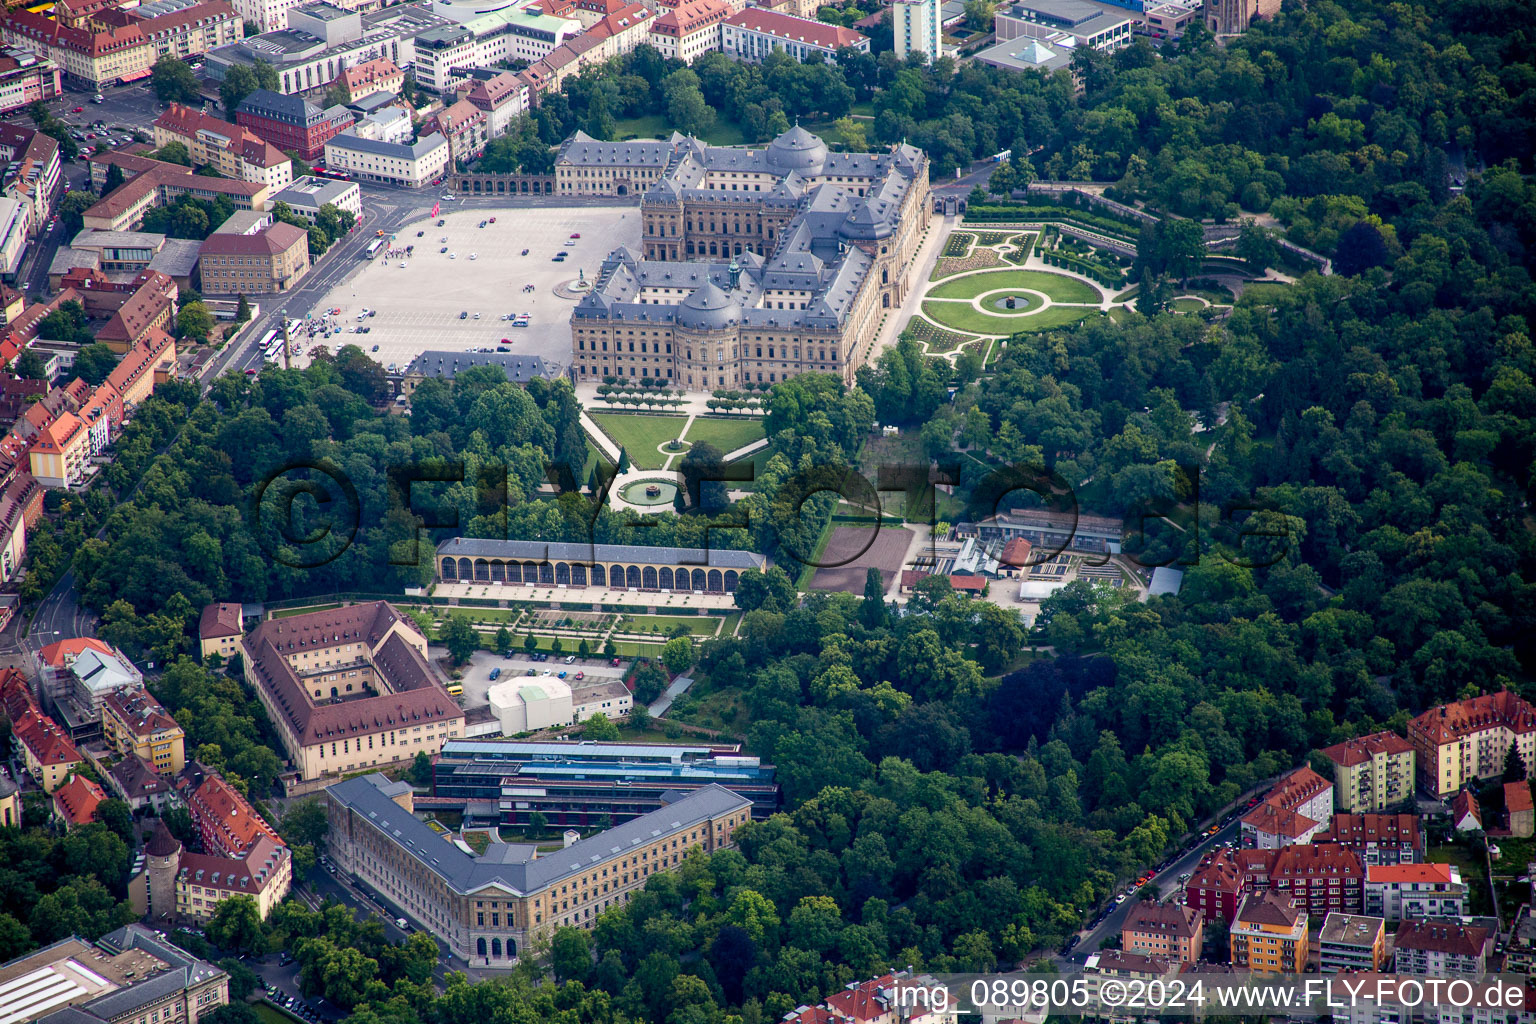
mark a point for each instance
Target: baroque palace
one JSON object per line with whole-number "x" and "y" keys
{"x": 704, "y": 308}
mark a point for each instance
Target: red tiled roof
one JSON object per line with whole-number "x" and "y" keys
{"x": 45, "y": 740}
{"x": 1268, "y": 908}
{"x": 1331, "y": 859}
{"x": 248, "y": 874}
{"x": 272, "y": 241}
{"x": 188, "y": 122}
{"x": 1279, "y": 821}
{"x": 1517, "y": 796}
{"x": 417, "y": 698}
{"x": 1357, "y": 751}
{"x": 864, "y": 1001}
{"x": 787, "y": 26}
{"x": 237, "y": 824}
{"x": 1437, "y": 874}
{"x": 1358, "y": 830}
{"x": 691, "y": 16}
{"x": 1181, "y": 922}
{"x": 221, "y": 618}
{"x": 1463, "y": 804}
{"x": 139, "y": 711}
{"x": 1464, "y": 717}
{"x": 1441, "y": 937}
{"x": 78, "y": 799}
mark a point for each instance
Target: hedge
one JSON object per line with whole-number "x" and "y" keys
{"x": 1082, "y": 218}
{"x": 1110, "y": 277}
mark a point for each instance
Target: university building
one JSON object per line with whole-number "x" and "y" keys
{"x": 487, "y": 908}
{"x": 756, "y": 264}
{"x": 349, "y": 688}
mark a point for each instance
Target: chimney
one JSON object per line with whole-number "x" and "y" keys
{"x": 571, "y": 836}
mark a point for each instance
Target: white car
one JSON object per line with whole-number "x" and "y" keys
{"x": 453, "y": 255}
{"x": 402, "y": 264}
{"x": 477, "y": 316}
{"x": 473, "y": 256}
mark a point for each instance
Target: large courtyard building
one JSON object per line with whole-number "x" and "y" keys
{"x": 617, "y": 566}
{"x": 704, "y": 307}
{"x": 489, "y": 907}
{"x": 349, "y": 688}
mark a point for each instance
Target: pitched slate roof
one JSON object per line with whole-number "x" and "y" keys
{"x": 506, "y": 865}
{"x": 586, "y": 554}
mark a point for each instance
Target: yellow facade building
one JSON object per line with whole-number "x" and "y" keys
{"x": 133, "y": 722}
{"x": 1371, "y": 773}
{"x": 1269, "y": 935}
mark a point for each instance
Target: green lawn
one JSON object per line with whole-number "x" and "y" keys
{"x": 965, "y": 317}
{"x": 698, "y": 625}
{"x": 1057, "y": 286}
{"x": 640, "y": 435}
{"x": 1263, "y": 293}
{"x": 1187, "y": 305}
{"x": 305, "y": 610}
{"x": 724, "y": 133}
{"x": 727, "y": 434}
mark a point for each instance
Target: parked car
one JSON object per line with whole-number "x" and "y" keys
{"x": 78, "y": 110}
{"x": 443, "y": 249}
{"x": 529, "y": 672}
{"x": 463, "y": 314}
{"x": 561, "y": 676}
{"x": 495, "y": 673}
{"x": 375, "y": 348}
{"x": 525, "y": 252}
{"x": 420, "y": 233}
{"x": 575, "y": 234}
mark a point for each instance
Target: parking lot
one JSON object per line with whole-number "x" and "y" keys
{"x": 419, "y": 304}
{"x": 477, "y": 673}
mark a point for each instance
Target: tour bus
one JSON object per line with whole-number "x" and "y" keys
{"x": 374, "y": 247}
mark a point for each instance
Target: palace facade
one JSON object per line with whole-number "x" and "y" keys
{"x": 757, "y": 264}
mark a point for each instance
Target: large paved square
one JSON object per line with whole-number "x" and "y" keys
{"x": 419, "y": 305}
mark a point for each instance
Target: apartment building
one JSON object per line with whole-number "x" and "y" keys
{"x": 410, "y": 165}
{"x": 380, "y": 75}
{"x": 25, "y": 78}
{"x": 753, "y": 33}
{"x": 500, "y": 95}
{"x": 1466, "y": 741}
{"x": 1126, "y": 968}
{"x": 1320, "y": 877}
{"x": 1216, "y": 886}
{"x": 143, "y": 789}
{"x": 690, "y": 30}
{"x": 202, "y": 882}
{"x": 1269, "y": 935}
{"x": 1371, "y": 773}
{"x": 1378, "y": 838}
{"x": 919, "y": 28}
{"x": 226, "y": 823}
{"x": 1294, "y": 811}
{"x": 464, "y": 126}
{"x": 1168, "y": 930}
{"x": 270, "y": 261}
{"x": 1441, "y": 949}
{"x": 134, "y": 724}
{"x": 292, "y": 123}
{"x": 127, "y": 976}
{"x": 33, "y": 173}
{"x": 233, "y": 151}
{"x": 1398, "y": 892}
{"x": 1351, "y": 942}
{"x": 488, "y": 908}
{"x": 349, "y": 688}
{"x": 122, "y": 44}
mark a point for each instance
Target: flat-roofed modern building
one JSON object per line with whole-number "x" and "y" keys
{"x": 617, "y": 566}
{"x": 581, "y": 785}
{"x": 1101, "y": 26}
{"x": 1352, "y": 942}
{"x": 487, "y": 908}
